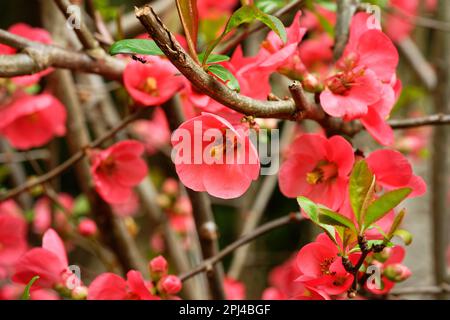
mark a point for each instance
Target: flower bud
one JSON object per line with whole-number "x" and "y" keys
{"x": 87, "y": 228}
{"x": 80, "y": 293}
{"x": 397, "y": 272}
{"x": 131, "y": 226}
{"x": 183, "y": 206}
{"x": 311, "y": 84}
{"x": 158, "y": 267}
{"x": 170, "y": 284}
{"x": 170, "y": 187}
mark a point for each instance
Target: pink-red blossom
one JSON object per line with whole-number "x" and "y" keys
{"x": 117, "y": 170}
{"x": 32, "y": 121}
{"x": 213, "y": 156}
{"x": 317, "y": 168}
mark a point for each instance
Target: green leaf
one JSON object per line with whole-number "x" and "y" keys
{"x": 225, "y": 75}
{"x": 213, "y": 58}
{"x": 81, "y": 206}
{"x": 362, "y": 182}
{"x": 326, "y": 25}
{"x": 135, "y": 46}
{"x": 330, "y": 217}
{"x": 270, "y": 5}
{"x": 312, "y": 210}
{"x": 247, "y": 14}
{"x": 188, "y": 12}
{"x": 397, "y": 222}
{"x": 26, "y": 292}
{"x": 381, "y": 206}
{"x": 406, "y": 236}
{"x": 275, "y": 24}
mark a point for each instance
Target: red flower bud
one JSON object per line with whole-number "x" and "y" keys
{"x": 158, "y": 267}
{"x": 171, "y": 284}
{"x": 87, "y": 228}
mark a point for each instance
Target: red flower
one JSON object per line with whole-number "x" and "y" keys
{"x": 49, "y": 263}
{"x": 400, "y": 23}
{"x": 211, "y": 155}
{"x": 154, "y": 133}
{"x": 170, "y": 284}
{"x": 152, "y": 83}
{"x": 32, "y": 121}
{"x": 13, "y": 232}
{"x": 34, "y": 34}
{"x": 366, "y": 86}
{"x": 211, "y": 8}
{"x": 392, "y": 171}
{"x": 285, "y": 285}
{"x": 317, "y": 168}
{"x": 391, "y": 269}
{"x": 234, "y": 290}
{"x": 109, "y": 286}
{"x": 87, "y": 227}
{"x": 43, "y": 213}
{"x": 322, "y": 267}
{"x": 117, "y": 170}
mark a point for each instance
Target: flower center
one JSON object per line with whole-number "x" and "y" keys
{"x": 268, "y": 46}
{"x": 344, "y": 81}
{"x": 222, "y": 147}
{"x": 108, "y": 165}
{"x": 324, "y": 172}
{"x": 325, "y": 266}
{"x": 151, "y": 86}
{"x": 33, "y": 117}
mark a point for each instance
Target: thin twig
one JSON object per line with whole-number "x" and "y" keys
{"x": 38, "y": 56}
{"x": 443, "y": 288}
{"x": 275, "y": 224}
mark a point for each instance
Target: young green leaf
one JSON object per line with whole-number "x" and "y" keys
{"x": 362, "y": 181}
{"x": 406, "y": 236}
{"x": 397, "y": 222}
{"x": 225, "y": 75}
{"x": 330, "y": 217}
{"x": 188, "y": 12}
{"x": 213, "y": 58}
{"x": 312, "y": 210}
{"x": 247, "y": 14}
{"x": 380, "y": 207}
{"x": 26, "y": 291}
{"x": 135, "y": 46}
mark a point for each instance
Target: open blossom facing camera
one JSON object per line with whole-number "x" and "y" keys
{"x": 32, "y": 121}
{"x": 321, "y": 168}
{"x": 49, "y": 263}
{"x": 365, "y": 85}
{"x": 211, "y": 155}
{"x": 239, "y": 95}
{"x": 322, "y": 268}
{"x": 152, "y": 83}
{"x": 117, "y": 170}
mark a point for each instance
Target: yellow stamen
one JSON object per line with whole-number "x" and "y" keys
{"x": 151, "y": 86}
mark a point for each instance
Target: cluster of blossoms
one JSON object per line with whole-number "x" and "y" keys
{"x": 29, "y": 120}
